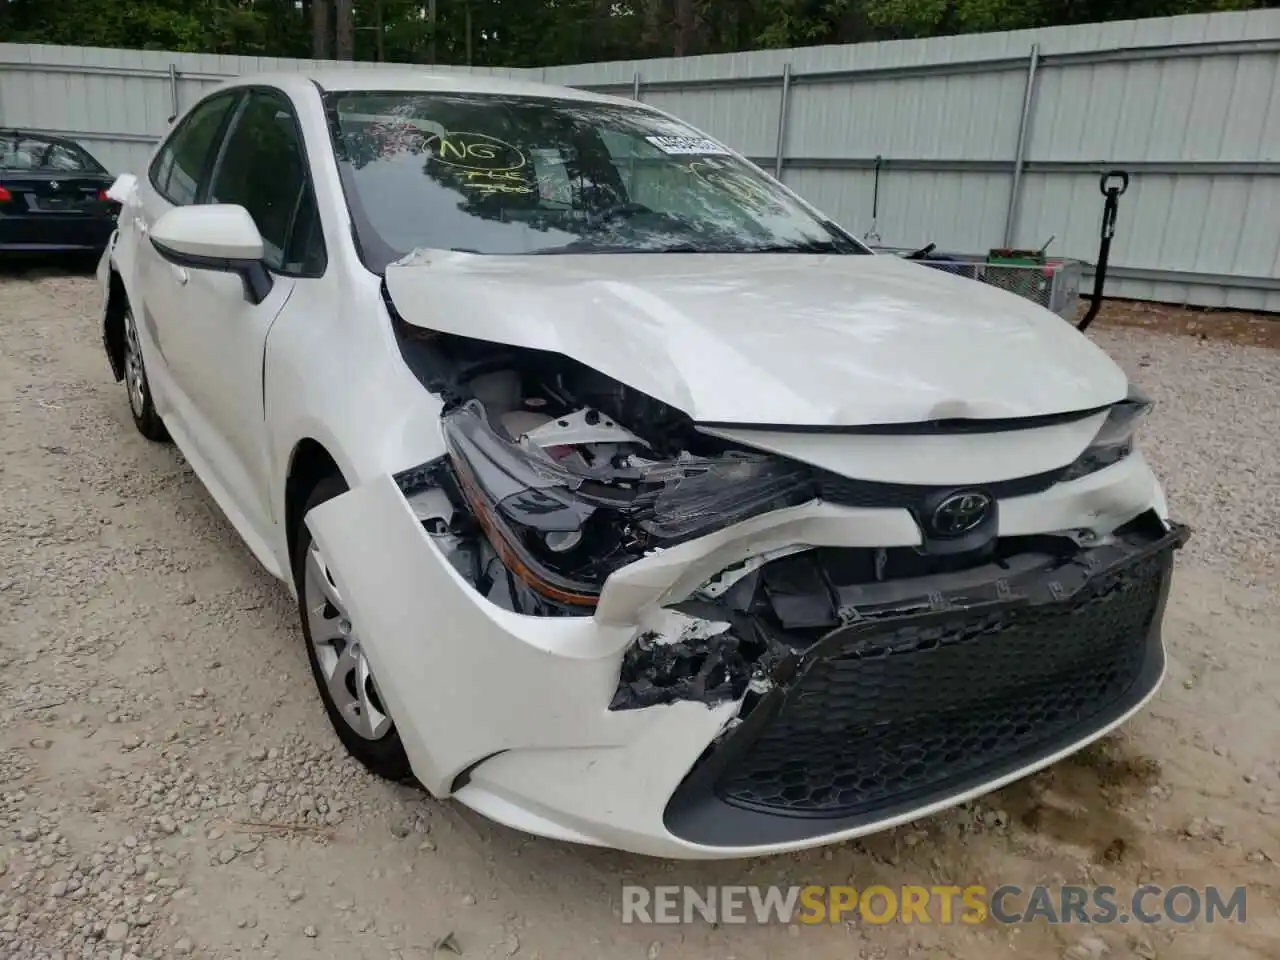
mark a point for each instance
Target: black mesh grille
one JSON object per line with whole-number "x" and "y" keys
{"x": 848, "y": 492}
{"x": 905, "y": 713}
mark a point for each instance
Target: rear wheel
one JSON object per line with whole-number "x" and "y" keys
{"x": 338, "y": 662}
{"x": 144, "y": 413}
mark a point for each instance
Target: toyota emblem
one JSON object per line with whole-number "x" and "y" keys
{"x": 960, "y": 513}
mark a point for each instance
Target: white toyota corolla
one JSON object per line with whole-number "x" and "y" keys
{"x": 628, "y": 499}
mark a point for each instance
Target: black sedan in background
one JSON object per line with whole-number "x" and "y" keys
{"x": 53, "y": 196}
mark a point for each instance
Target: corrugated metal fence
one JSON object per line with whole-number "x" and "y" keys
{"x": 982, "y": 140}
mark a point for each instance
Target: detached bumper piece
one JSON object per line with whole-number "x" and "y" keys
{"x": 890, "y": 715}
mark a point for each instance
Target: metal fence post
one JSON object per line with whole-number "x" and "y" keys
{"x": 783, "y": 106}
{"x": 631, "y": 167}
{"x": 173, "y": 88}
{"x": 1020, "y": 155}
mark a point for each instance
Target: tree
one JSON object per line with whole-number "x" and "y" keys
{"x": 530, "y": 33}
{"x": 685, "y": 28}
{"x": 320, "y": 29}
{"x": 344, "y": 27}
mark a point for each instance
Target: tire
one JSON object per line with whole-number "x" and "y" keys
{"x": 142, "y": 409}
{"x": 358, "y": 722}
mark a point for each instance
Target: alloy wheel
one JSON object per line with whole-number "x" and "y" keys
{"x": 134, "y": 374}
{"x": 339, "y": 654}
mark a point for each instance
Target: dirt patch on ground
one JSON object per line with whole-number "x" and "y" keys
{"x": 169, "y": 786}
{"x": 1233, "y": 326}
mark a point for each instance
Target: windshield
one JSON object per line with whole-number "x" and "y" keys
{"x": 523, "y": 175}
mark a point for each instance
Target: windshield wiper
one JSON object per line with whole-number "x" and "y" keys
{"x": 804, "y": 246}
{"x": 586, "y": 246}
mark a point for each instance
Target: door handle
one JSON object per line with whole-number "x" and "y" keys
{"x": 180, "y": 273}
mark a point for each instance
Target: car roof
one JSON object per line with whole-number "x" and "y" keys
{"x": 412, "y": 80}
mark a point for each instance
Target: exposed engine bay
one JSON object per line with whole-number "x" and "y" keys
{"x": 570, "y": 475}
{"x": 558, "y": 475}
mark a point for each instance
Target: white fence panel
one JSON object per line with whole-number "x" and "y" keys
{"x": 981, "y": 140}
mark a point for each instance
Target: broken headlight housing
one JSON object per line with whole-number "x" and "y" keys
{"x": 1114, "y": 439}
{"x": 563, "y": 531}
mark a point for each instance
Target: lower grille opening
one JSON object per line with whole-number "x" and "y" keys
{"x": 903, "y": 713}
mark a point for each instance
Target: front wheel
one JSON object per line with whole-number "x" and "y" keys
{"x": 338, "y": 662}
{"x": 144, "y": 413}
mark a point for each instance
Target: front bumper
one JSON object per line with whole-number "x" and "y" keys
{"x": 889, "y": 717}
{"x": 510, "y": 714}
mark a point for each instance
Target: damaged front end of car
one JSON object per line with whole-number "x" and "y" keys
{"x": 834, "y": 659}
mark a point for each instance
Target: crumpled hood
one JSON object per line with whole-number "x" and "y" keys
{"x": 795, "y": 339}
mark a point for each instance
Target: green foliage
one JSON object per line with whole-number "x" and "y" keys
{"x": 213, "y": 26}
{"x": 530, "y": 33}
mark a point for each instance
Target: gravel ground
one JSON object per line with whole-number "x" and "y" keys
{"x": 169, "y": 786}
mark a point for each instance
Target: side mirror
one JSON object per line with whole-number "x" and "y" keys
{"x": 215, "y": 236}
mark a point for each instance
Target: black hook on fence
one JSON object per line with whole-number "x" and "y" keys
{"x": 1112, "y": 191}
{"x": 871, "y": 234}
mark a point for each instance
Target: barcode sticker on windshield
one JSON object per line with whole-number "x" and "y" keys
{"x": 696, "y": 146}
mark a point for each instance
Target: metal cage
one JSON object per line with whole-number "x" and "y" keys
{"x": 1054, "y": 284}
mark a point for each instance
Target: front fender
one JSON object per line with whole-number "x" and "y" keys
{"x": 464, "y": 678}
{"x": 332, "y": 374}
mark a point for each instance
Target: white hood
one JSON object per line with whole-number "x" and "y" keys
{"x": 772, "y": 339}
